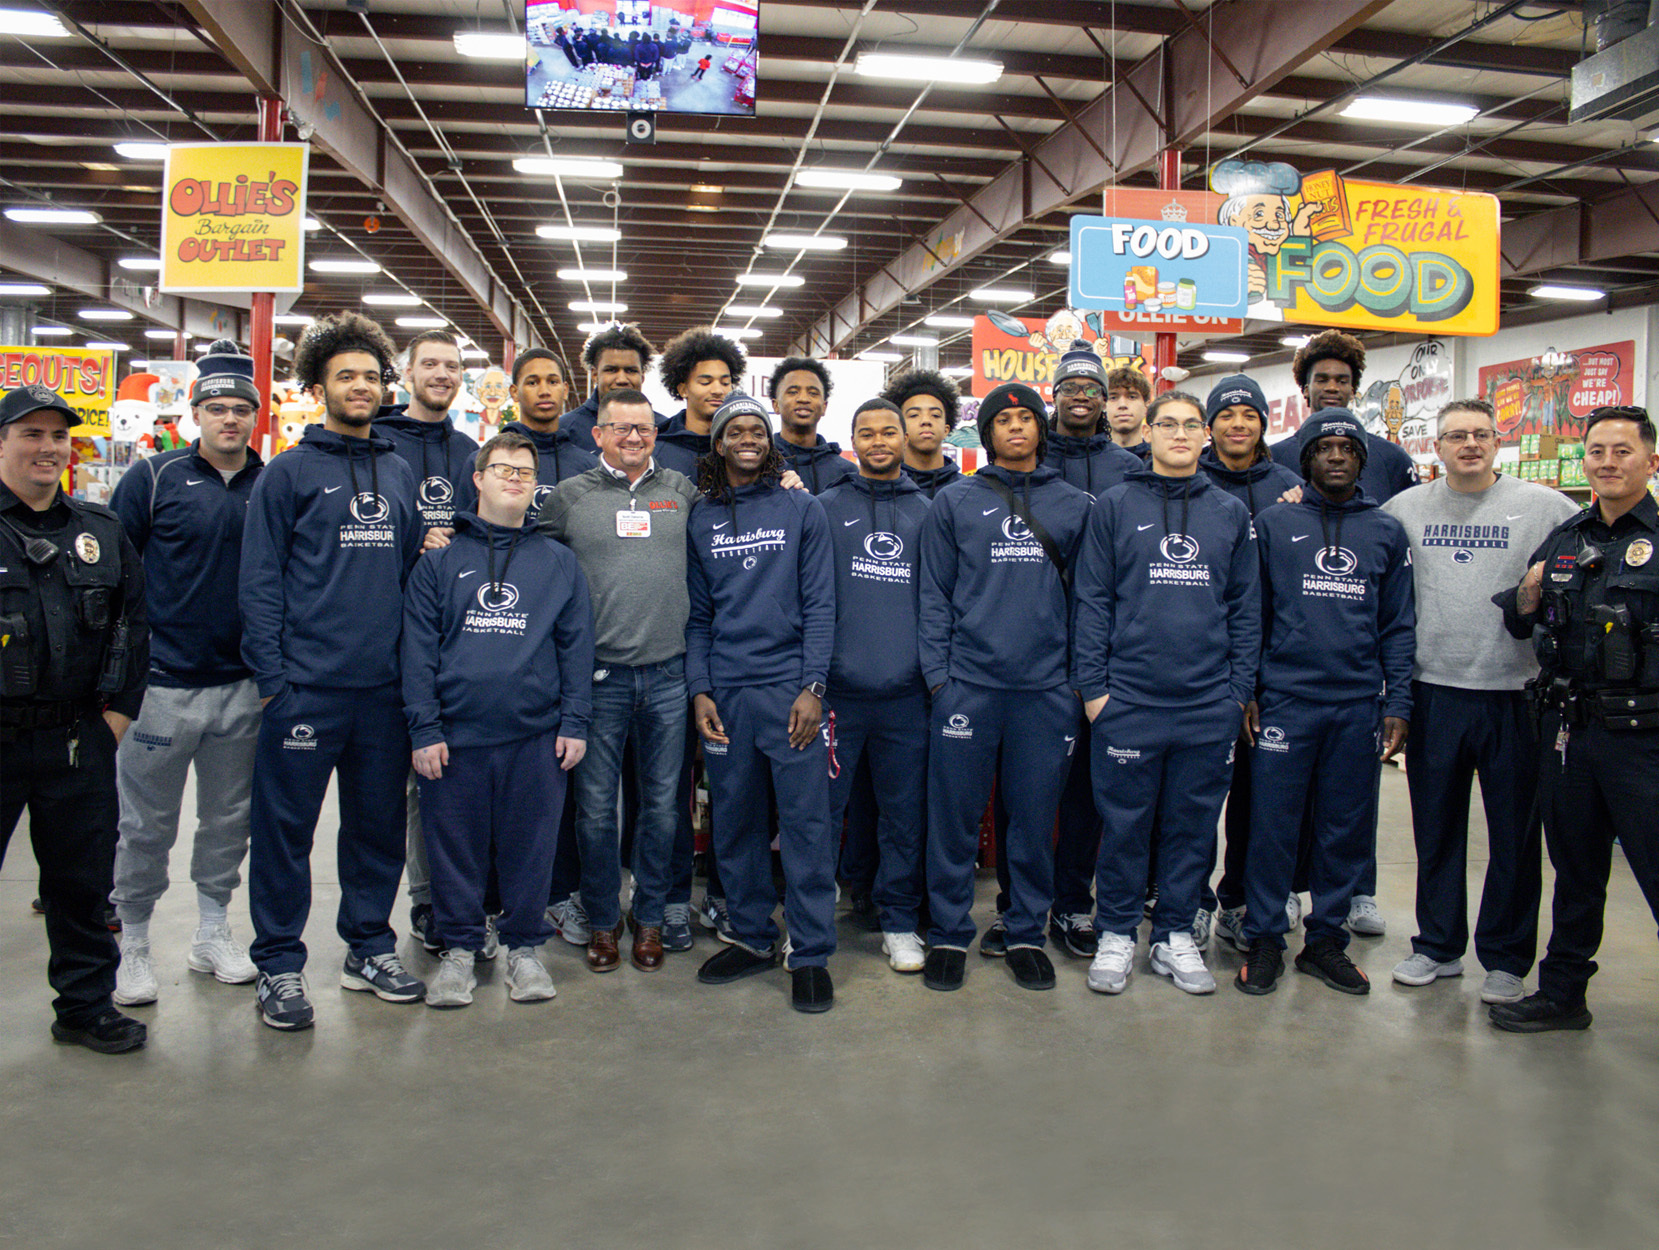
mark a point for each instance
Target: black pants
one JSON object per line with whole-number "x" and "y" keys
{"x": 72, "y": 821}
{"x": 1601, "y": 786}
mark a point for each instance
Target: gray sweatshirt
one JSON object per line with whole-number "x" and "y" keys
{"x": 637, "y": 583}
{"x": 1464, "y": 549}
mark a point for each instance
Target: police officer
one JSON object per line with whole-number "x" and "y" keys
{"x": 74, "y": 652}
{"x": 1590, "y": 603}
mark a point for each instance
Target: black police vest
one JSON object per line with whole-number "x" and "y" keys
{"x": 1600, "y": 610}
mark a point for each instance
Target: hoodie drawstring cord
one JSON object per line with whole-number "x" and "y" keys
{"x": 1324, "y": 529}
{"x": 1186, "y": 500}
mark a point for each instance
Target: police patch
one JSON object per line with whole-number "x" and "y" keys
{"x": 86, "y": 547}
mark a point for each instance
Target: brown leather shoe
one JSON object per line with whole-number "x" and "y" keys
{"x": 603, "y": 955}
{"x": 648, "y": 948}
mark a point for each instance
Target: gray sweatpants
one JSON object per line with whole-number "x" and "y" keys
{"x": 217, "y": 729}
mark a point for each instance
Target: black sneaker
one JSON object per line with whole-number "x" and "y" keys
{"x": 863, "y": 913}
{"x": 1151, "y": 903}
{"x": 994, "y": 945}
{"x": 945, "y": 968}
{"x": 282, "y": 1002}
{"x": 1075, "y": 935}
{"x": 1538, "y": 1013}
{"x": 110, "y": 1034}
{"x": 733, "y": 963}
{"x": 811, "y": 990}
{"x": 1260, "y": 974}
{"x": 424, "y": 926}
{"x": 112, "y": 922}
{"x": 1330, "y": 963}
{"x": 1032, "y": 968}
{"x": 384, "y": 976}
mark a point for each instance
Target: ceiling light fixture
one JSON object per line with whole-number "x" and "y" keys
{"x": 138, "y": 151}
{"x": 31, "y": 23}
{"x": 343, "y": 266}
{"x": 770, "y": 279}
{"x": 1000, "y": 295}
{"x": 580, "y": 234}
{"x": 596, "y": 306}
{"x": 51, "y": 332}
{"x": 927, "y": 68}
{"x": 753, "y": 310}
{"x": 53, "y": 216}
{"x": 1583, "y": 294}
{"x": 913, "y": 340}
{"x": 24, "y": 288}
{"x": 104, "y": 314}
{"x": 1061, "y": 257}
{"x": 569, "y": 167}
{"x": 483, "y": 46}
{"x": 159, "y": 334}
{"x": 702, "y": 208}
{"x": 107, "y": 345}
{"x": 958, "y": 371}
{"x": 1409, "y": 112}
{"x": 740, "y": 332}
{"x": 143, "y": 264}
{"x": 312, "y": 224}
{"x": 422, "y": 323}
{"x": 393, "y": 299}
{"x": 593, "y": 275}
{"x": 847, "y": 180}
{"x": 805, "y": 242}
{"x": 948, "y": 321}
{"x": 1296, "y": 341}
{"x": 886, "y": 358}
{"x": 1226, "y": 358}
{"x": 593, "y": 327}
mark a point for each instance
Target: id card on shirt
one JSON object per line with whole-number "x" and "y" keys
{"x": 633, "y": 524}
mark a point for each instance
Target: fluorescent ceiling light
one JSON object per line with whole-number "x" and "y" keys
{"x": 344, "y": 266}
{"x": 107, "y": 345}
{"x": 1227, "y": 358}
{"x": 913, "y": 340}
{"x": 805, "y": 242}
{"x": 886, "y": 358}
{"x": 474, "y": 353}
{"x": 702, "y": 208}
{"x": 593, "y": 327}
{"x": 51, "y": 332}
{"x": 593, "y": 275}
{"x": 1059, "y": 258}
{"x": 753, "y": 310}
{"x": 142, "y": 151}
{"x": 958, "y": 371}
{"x": 1000, "y": 295}
{"x": 568, "y": 167}
{"x": 422, "y": 323}
{"x": 148, "y": 264}
{"x": 1295, "y": 340}
{"x": 311, "y": 223}
{"x": 489, "y": 47}
{"x": 580, "y": 234}
{"x": 740, "y": 332}
{"x": 54, "y": 216}
{"x": 948, "y": 321}
{"x": 597, "y": 306}
{"x": 30, "y": 23}
{"x": 393, "y": 299}
{"x": 292, "y": 319}
{"x": 24, "y": 288}
{"x": 201, "y": 347}
{"x": 159, "y": 334}
{"x": 770, "y": 279}
{"x": 140, "y": 365}
{"x": 847, "y": 180}
{"x": 927, "y": 68}
{"x": 1581, "y": 293}
{"x": 706, "y": 188}
{"x": 105, "y": 314}
{"x": 1409, "y": 112}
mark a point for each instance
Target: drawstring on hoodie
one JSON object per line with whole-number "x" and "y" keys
{"x": 489, "y": 550}
{"x": 1324, "y": 529}
{"x": 374, "y": 470}
{"x": 1186, "y": 500}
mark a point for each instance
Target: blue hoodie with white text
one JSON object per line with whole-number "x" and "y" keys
{"x": 558, "y": 456}
{"x": 1257, "y": 487}
{"x": 437, "y": 452}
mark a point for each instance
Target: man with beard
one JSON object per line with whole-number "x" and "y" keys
{"x": 800, "y": 391}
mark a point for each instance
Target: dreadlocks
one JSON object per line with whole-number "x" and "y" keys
{"x": 713, "y": 482}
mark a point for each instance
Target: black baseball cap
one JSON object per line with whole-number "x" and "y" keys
{"x": 21, "y": 402}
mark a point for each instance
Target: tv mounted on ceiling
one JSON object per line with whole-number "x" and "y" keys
{"x": 659, "y": 56}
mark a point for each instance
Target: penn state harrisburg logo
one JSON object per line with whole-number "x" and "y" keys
{"x": 302, "y": 733}
{"x": 957, "y": 726}
{"x": 1015, "y": 530}
{"x": 437, "y": 491}
{"x": 885, "y": 546}
{"x": 1463, "y": 556}
{"x": 1336, "y": 561}
{"x": 1179, "y": 548}
{"x": 497, "y": 598}
{"x": 539, "y": 498}
{"x": 1272, "y": 738}
{"x": 301, "y": 737}
{"x": 369, "y": 508}
{"x": 749, "y": 562}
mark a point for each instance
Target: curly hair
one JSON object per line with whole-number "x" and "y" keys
{"x": 328, "y": 337}
{"x": 798, "y": 364}
{"x": 711, "y": 471}
{"x": 1128, "y": 378}
{"x": 1328, "y": 345}
{"x": 926, "y": 382}
{"x": 621, "y": 338}
{"x": 684, "y": 352}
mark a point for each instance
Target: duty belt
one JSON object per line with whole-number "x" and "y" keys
{"x": 1626, "y": 709}
{"x": 36, "y": 715}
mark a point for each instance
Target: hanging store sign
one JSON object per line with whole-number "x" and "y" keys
{"x": 1124, "y": 265}
{"x": 232, "y": 217}
{"x": 84, "y": 377}
{"x": 1028, "y": 349}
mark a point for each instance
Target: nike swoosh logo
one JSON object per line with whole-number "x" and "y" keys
{"x": 329, "y": 490}
{"x": 720, "y": 525}
{"x": 987, "y": 512}
{"x": 1298, "y": 538}
{"x": 854, "y": 521}
{"x": 197, "y": 481}
{"x": 1147, "y": 526}
{"x": 1516, "y": 517}
{"x": 1071, "y": 737}
{"x": 468, "y": 573}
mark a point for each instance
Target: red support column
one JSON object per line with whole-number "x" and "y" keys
{"x": 1163, "y": 346}
{"x": 262, "y": 324}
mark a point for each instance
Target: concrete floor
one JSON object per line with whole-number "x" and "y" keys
{"x": 653, "y": 1111}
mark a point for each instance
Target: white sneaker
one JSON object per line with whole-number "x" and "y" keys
{"x": 570, "y": 920}
{"x": 1229, "y": 927}
{"x": 1420, "y": 969}
{"x": 455, "y": 982}
{"x": 135, "y": 978}
{"x": 214, "y": 950}
{"x": 1202, "y": 926}
{"x": 1109, "y": 970}
{"x": 1180, "y": 960}
{"x": 527, "y": 979}
{"x": 492, "y": 939}
{"x": 1293, "y": 911}
{"x": 1502, "y": 987}
{"x": 904, "y": 951}
{"x": 1364, "y": 918}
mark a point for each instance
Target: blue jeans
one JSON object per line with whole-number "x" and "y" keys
{"x": 647, "y": 704}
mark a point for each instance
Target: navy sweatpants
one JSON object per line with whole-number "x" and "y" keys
{"x": 1455, "y": 734}
{"x": 1333, "y": 749}
{"x": 756, "y": 719}
{"x": 1163, "y": 768}
{"x": 1037, "y": 731}
{"x": 306, "y": 734}
{"x": 891, "y": 734}
{"x": 499, "y": 807}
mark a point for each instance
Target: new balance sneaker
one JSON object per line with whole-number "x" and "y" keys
{"x": 214, "y": 950}
{"x": 282, "y": 1001}
{"x": 455, "y": 982}
{"x": 1538, "y": 1013}
{"x": 904, "y": 951}
{"x": 712, "y": 914}
{"x": 423, "y": 926}
{"x": 527, "y": 977}
{"x": 570, "y": 920}
{"x": 1074, "y": 934}
{"x": 135, "y": 978}
{"x": 1421, "y": 969}
{"x": 994, "y": 943}
{"x": 1109, "y": 972}
{"x": 1502, "y": 987}
{"x": 1229, "y": 927}
{"x": 1181, "y": 961}
{"x": 1330, "y": 963}
{"x": 492, "y": 938}
{"x": 1202, "y": 927}
{"x": 676, "y": 927}
{"x": 1364, "y": 918}
{"x": 1262, "y": 967}
{"x": 384, "y": 976}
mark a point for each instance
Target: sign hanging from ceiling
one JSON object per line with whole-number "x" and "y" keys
{"x": 232, "y": 217}
{"x": 84, "y": 377}
{"x": 1122, "y": 264}
{"x": 1028, "y": 349}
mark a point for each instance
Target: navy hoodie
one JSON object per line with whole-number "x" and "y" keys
{"x": 331, "y": 532}
{"x": 761, "y": 576}
{"x": 821, "y": 466}
{"x": 580, "y": 422}
{"x": 931, "y": 481}
{"x": 1094, "y": 464}
{"x": 994, "y": 610}
{"x": 186, "y": 522}
{"x": 1388, "y": 468}
{"x": 558, "y": 456}
{"x": 1168, "y": 595}
{"x": 679, "y": 448}
{"x": 492, "y": 661}
{"x": 1341, "y": 609}
{"x": 1257, "y": 487}
{"x": 876, "y": 528}
{"x": 437, "y": 452}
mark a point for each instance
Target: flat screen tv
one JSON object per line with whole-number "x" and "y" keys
{"x": 659, "y": 56}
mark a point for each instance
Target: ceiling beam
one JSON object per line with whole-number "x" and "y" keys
{"x": 1583, "y": 234}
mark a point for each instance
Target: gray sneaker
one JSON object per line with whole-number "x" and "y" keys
{"x": 1113, "y": 958}
{"x": 1364, "y": 918}
{"x": 1202, "y": 927}
{"x": 1502, "y": 987}
{"x": 676, "y": 927}
{"x": 455, "y": 982}
{"x": 384, "y": 976}
{"x": 527, "y": 978}
{"x": 1181, "y": 961}
{"x": 570, "y": 920}
{"x": 282, "y": 1001}
{"x": 492, "y": 939}
{"x": 712, "y": 914}
{"x": 1229, "y": 927}
{"x": 1421, "y": 969}
{"x": 214, "y": 950}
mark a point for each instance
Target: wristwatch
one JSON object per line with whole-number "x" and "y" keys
{"x": 816, "y": 690}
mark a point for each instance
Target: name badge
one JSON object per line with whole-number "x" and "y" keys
{"x": 633, "y": 525}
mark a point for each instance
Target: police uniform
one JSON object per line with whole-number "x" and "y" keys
{"x": 74, "y": 640}
{"x": 1596, "y": 634}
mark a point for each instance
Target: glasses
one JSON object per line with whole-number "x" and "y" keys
{"x": 242, "y": 411}
{"x": 1166, "y": 427}
{"x": 513, "y": 472}
{"x": 622, "y": 429}
{"x": 1457, "y": 438}
{"x": 1078, "y": 390}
